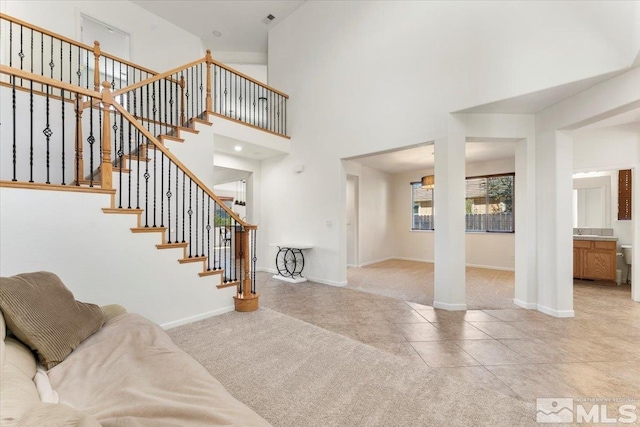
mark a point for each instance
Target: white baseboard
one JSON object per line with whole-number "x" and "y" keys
{"x": 352, "y": 266}
{"x": 527, "y": 305}
{"x": 556, "y": 313}
{"x": 364, "y": 264}
{"x": 197, "y": 317}
{"x": 450, "y": 307}
{"x": 328, "y": 282}
{"x": 414, "y": 259}
{"x": 490, "y": 267}
{"x": 312, "y": 279}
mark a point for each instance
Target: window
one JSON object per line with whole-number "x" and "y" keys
{"x": 421, "y": 207}
{"x": 489, "y": 203}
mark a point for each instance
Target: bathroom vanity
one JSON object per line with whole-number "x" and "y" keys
{"x": 594, "y": 258}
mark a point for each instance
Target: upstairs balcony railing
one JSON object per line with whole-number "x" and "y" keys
{"x": 230, "y": 94}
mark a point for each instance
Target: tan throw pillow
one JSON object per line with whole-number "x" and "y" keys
{"x": 42, "y": 313}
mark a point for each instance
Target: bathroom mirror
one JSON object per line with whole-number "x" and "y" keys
{"x": 591, "y": 203}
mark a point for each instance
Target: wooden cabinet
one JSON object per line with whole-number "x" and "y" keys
{"x": 594, "y": 259}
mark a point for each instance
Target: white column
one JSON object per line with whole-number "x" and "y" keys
{"x": 449, "y": 205}
{"x": 554, "y": 170}
{"x": 526, "y": 289}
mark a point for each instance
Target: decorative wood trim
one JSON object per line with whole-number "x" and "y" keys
{"x": 228, "y": 284}
{"x": 172, "y": 245}
{"x": 122, "y": 211}
{"x": 186, "y": 129}
{"x": 201, "y": 121}
{"x": 190, "y": 260}
{"x": 175, "y": 160}
{"x": 246, "y": 304}
{"x": 106, "y": 169}
{"x": 248, "y": 124}
{"x": 210, "y": 273}
{"x": 170, "y": 138}
{"x": 251, "y": 79}
{"x": 56, "y": 187}
{"x": 5, "y": 69}
{"x": 148, "y": 229}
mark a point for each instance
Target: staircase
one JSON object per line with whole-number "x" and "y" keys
{"x": 70, "y": 131}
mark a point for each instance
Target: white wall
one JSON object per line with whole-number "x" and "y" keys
{"x": 99, "y": 259}
{"x": 490, "y": 250}
{"x": 341, "y": 64}
{"x": 155, "y": 43}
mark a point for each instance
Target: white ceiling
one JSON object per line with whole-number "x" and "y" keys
{"x": 224, "y": 144}
{"x": 631, "y": 116}
{"x": 240, "y": 22}
{"x": 422, "y": 157}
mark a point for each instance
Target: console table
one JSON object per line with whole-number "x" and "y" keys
{"x": 290, "y": 262}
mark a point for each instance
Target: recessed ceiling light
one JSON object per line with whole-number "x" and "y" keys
{"x": 217, "y": 33}
{"x": 237, "y": 148}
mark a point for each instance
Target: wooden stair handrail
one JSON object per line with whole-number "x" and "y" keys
{"x": 157, "y": 77}
{"x": 47, "y": 32}
{"x": 180, "y": 165}
{"x": 73, "y": 42}
{"x": 251, "y": 79}
{"x": 5, "y": 69}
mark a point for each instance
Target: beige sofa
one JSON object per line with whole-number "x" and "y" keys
{"x": 128, "y": 373}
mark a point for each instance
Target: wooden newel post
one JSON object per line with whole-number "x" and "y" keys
{"x": 209, "y": 100}
{"x": 246, "y": 301}
{"x": 79, "y": 171}
{"x": 96, "y": 66}
{"x": 106, "y": 167}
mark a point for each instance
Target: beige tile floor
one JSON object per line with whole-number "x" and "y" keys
{"x": 518, "y": 352}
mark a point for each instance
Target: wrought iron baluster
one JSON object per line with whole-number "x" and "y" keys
{"x": 130, "y": 140}
{"x": 162, "y": 189}
{"x": 190, "y": 212}
{"x": 31, "y": 130}
{"x": 203, "y": 226}
{"x": 155, "y": 175}
{"x": 13, "y": 103}
{"x": 195, "y": 245}
{"x": 240, "y": 253}
{"x": 47, "y": 133}
{"x": 120, "y": 154}
{"x": 169, "y": 202}
{"x": 208, "y": 233}
{"x": 254, "y": 259}
{"x": 234, "y": 233}
{"x": 155, "y": 179}
{"x": 146, "y": 189}
{"x": 91, "y": 141}
{"x": 177, "y": 211}
{"x": 184, "y": 202}
{"x": 220, "y": 223}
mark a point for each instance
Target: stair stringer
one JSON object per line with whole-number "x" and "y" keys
{"x": 96, "y": 256}
{"x": 190, "y": 152}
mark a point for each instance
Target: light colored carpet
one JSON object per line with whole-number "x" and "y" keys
{"x": 296, "y": 374}
{"x": 413, "y": 281}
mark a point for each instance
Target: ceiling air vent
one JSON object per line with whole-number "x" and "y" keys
{"x": 268, "y": 19}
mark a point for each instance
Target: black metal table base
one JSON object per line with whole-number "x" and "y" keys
{"x": 290, "y": 263}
